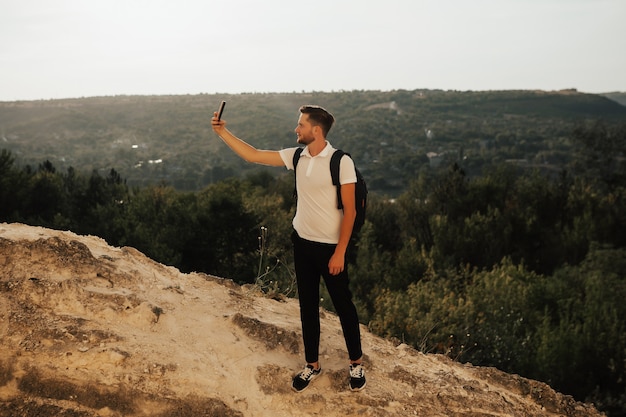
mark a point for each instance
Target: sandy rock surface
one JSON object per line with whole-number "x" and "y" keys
{"x": 87, "y": 329}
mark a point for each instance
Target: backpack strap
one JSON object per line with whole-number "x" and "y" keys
{"x": 335, "y": 159}
{"x": 296, "y": 158}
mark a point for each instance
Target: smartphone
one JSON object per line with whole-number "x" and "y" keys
{"x": 221, "y": 110}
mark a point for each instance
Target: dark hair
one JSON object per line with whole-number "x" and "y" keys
{"x": 318, "y": 116}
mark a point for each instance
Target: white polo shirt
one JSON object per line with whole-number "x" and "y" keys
{"x": 317, "y": 217}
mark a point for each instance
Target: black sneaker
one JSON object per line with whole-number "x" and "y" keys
{"x": 301, "y": 381}
{"x": 357, "y": 377}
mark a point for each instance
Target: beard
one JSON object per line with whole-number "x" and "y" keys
{"x": 305, "y": 139}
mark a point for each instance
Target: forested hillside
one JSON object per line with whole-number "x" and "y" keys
{"x": 504, "y": 243}
{"x": 393, "y": 136}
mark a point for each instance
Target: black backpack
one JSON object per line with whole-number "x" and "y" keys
{"x": 360, "y": 189}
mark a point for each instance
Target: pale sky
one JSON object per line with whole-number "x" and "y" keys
{"x": 83, "y": 48}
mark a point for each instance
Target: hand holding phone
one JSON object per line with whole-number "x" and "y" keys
{"x": 221, "y": 110}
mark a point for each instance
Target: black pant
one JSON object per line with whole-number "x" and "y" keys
{"x": 311, "y": 262}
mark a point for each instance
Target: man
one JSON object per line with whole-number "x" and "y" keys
{"x": 321, "y": 234}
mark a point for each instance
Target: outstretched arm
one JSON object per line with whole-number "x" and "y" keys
{"x": 243, "y": 149}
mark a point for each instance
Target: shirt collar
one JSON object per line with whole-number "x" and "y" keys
{"x": 325, "y": 152}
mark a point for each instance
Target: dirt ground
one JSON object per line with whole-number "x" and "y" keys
{"x": 87, "y": 329}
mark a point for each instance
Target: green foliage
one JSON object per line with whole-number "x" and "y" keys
{"x": 155, "y": 224}
{"x": 485, "y": 322}
{"x": 211, "y": 231}
{"x": 583, "y": 333}
{"x": 271, "y": 201}
{"x": 599, "y": 152}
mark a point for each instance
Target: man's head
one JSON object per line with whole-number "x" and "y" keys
{"x": 318, "y": 116}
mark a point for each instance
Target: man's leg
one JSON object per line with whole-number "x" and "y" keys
{"x": 308, "y": 281}
{"x": 341, "y": 296}
{"x": 338, "y": 288}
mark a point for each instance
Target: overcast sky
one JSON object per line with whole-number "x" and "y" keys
{"x": 83, "y": 48}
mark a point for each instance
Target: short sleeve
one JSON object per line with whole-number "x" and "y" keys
{"x": 347, "y": 171}
{"x": 287, "y": 156}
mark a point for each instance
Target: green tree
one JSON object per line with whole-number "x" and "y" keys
{"x": 224, "y": 238}
{"x": 46, "y": 198}
{"x": 149, "y": 227}
{"x": 582, "y": 336}
{"x": 12, "y": 184}
{"x": 599, "y": 150}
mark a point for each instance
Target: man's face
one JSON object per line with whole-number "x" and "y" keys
{"x": 304, "y": 130}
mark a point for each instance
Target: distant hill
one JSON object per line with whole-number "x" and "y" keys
{"x": 392, "y": 135}
{"x": 617, "y": 96}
